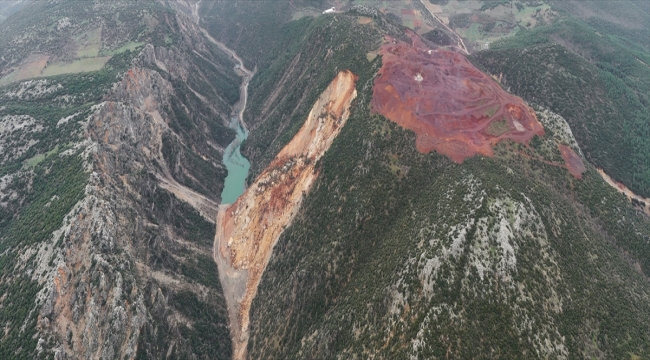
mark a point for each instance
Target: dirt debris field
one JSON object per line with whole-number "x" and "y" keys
{"x": 248, "y": 229}
{"x": 454, "y": 108}
{"x": 573, "y": 162}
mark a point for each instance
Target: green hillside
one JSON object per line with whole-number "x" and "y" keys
{"x": 596, "y": 75}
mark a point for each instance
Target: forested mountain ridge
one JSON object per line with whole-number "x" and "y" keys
{"x": 113, "y": 128}
{"x": 402, "y": 255}
{"x": 600, "y": 83}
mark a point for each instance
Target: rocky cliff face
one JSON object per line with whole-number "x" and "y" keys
{"x": 131, "y": 270}
{"x": 248, "y": 229}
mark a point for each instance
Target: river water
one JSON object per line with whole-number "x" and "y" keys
{"x": 236, "y": 164}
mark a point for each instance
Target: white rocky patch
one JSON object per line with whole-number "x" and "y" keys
{"x": 5, "y": 181}
{"x": 86, "y": 144}
{"x": 63, "y": 23}
{"x": 558, "y": 125}
{"x": 492, "y": 245}
{"x": 518, "y": 125}
{"x": 33, "y": 89}
{"x": 11, "y": 123}
{"x": 429, "y": 274}
{"x": 66, "y": 119}
{"x": 15, "y": 139}
{"x": 66, "y": 99}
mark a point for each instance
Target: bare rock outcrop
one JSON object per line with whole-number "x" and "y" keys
{"x": 126, "y": 247}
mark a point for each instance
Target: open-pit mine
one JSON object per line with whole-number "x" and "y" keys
{"x": 453, "y": 108}
{"x": 248, "y": 229}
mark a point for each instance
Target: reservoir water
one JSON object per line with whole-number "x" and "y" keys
{"x": 236, "y": 164}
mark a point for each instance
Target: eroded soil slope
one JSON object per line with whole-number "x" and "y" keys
{"x": 573, "y": 162}
{"x": 453, "y": 107}
{"x": 248, "y": 229}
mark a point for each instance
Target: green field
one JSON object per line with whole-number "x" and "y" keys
{"x": 38, "y": 68}
{"x": 37, "y": 159}
{"x": 77, "y": 66}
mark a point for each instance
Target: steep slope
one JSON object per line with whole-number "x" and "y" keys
{"x": 398, "y": 254}
{"x": 295, "y": 62}
{"x": 248, "y": 229}
{"x": 110, "y": 193}
{"x": 349, "y": 241}
{"x": 594, "y": 74}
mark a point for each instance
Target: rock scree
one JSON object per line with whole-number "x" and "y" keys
{"x": 248, "y": 229}
{"x": 453, "y": 107}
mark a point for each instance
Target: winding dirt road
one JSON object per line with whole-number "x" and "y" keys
{"x": 625, "y": 191}
{"x": 461, "y": 44}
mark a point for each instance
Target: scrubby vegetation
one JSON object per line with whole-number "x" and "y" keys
{"x": 597, "y": 77}
{"x": 41, "y": 184}
{"x": 57, "y": 184}
{"x": 44, "y": 172}
{"x": 399, "y": 254}
{"x": 395, "y": 254}
{"x": 207, "y": 334}
{"x": 379, "y": 259}
{"x": 38, "y": 194}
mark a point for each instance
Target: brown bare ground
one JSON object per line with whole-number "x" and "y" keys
{"x": 30, "y": 68}
{"x": 363, "y": 20}
{"x": 620, "y": 187}
{"x": 248, "y": 229}
{"x": 573, "y": 161}
{"x": 447, "y": 102}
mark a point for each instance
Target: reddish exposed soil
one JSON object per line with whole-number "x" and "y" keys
{"x": 248, "y": 229}
{"x": 452, "y": 107}
{"x": 641, "y": 202}
{"x": 573, "y": 162}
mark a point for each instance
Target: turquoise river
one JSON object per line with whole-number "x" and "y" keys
{"x": 236, "y": 164}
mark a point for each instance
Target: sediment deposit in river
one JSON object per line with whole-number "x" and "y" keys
{"x": 248, "y": 229}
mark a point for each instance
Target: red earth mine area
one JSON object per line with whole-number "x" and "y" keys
{"x": 452, "y": 107}
{"x": 573, "y": 162}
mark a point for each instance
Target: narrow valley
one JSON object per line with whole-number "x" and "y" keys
{"x": 248, "y": 229}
